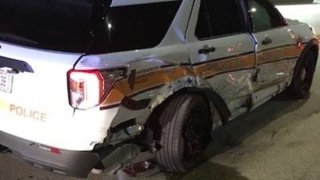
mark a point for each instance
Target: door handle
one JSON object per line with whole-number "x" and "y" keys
{"x": 207, "y": 50}
{"x": 266, "y": 41}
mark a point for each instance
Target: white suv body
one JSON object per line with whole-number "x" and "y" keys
{"x": 59, "y": 109}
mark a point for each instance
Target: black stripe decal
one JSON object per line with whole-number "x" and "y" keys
{"x": 278, "y": 47}
{"x": 110, "y": 107}
{"x": 135, "y": 105}
{"x": 129, "y": 103}
{"x": 234, "y": 70}
{"x": 277, "y": 60}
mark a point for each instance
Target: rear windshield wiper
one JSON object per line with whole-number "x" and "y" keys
{"x": 16, "y": 38}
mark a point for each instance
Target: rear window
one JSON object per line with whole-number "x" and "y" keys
{"x": 134, "y": 27}
{"x": 62, "y": 25}
{"x": 83, "y": 25}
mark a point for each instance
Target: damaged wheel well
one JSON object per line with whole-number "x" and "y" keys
{"x": 210, "y": 97}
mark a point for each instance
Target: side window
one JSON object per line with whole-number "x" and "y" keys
{"x": 264, "y": 16}
{"x": 219, "y": 18}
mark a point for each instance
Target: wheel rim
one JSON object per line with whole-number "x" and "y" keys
{"x": 303, "y": 74}
{"x": 194, "y": 136}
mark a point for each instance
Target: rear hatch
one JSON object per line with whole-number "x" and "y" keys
{"x": 33, "y": 90}
{"x": 40, "y": 41}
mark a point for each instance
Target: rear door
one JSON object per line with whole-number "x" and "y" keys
{"x": 275, "y": 45}
{"x": 222, "y": 50}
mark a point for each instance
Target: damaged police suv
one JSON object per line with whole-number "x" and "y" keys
{"x": 87, "y": 84}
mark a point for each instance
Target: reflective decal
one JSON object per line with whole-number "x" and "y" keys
{"x": 3, "y": 105}
{"x": 155, "y": 77}
{"x": 144, "y": 82}
{"x": 282, "y": 53}
{"x": 213, "y": 68}
{"x": 27, "y": 113}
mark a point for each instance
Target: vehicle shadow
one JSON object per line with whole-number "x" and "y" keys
{"x": 237, "y": 130}
{"x": 212, "y": 171}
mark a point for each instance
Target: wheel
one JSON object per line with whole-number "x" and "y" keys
{"x": 185, "y": 133}
{"x": 303, "y": 76}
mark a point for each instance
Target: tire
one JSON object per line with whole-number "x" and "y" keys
{"x": 185, "y": 133}
{"x": 303, "y": 76}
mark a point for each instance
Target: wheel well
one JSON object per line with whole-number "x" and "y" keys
{"x": 209, "y": 96}
{"x": 315, "y": 51}
{"x": 312, "y": 46}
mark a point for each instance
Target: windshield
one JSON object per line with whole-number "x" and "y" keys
{"x": 85, "y": 26}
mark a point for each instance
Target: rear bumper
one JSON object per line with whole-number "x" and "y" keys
{"x": 71, "y": 163}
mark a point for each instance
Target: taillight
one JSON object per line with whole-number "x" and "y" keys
{"x": 88, "y": 87}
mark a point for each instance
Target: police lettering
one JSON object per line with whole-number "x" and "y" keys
{"x": 27, "y": 113}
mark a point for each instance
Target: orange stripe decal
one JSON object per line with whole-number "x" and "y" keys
{"x": 274, "y": 54}
{"x": 147, "y": 81}
{"x": 226, "y": 65}
{"x": 143, "y": 82}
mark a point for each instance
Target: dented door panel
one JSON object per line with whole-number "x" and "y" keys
{"x": 223, "y": 63}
